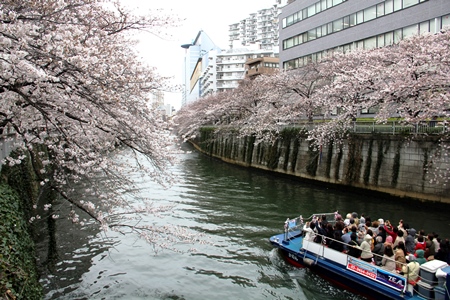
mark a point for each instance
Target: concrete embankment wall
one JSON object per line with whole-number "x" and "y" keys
{"x": 404, "y": 167}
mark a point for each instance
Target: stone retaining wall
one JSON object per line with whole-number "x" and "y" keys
{"x": 414, "y": 168}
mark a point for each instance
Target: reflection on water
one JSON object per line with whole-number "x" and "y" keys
{"x": 238, "y": 210}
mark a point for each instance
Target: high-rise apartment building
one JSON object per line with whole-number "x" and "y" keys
{"x": 311, "y": 29}
{"x": 260, "y": 28}
{"x": 208, "y": 69}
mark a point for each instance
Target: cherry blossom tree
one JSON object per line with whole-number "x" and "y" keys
{"x": 258, "y": 107}
{"x": 409, "y": 81}
{"x": 298, "y": 87}
{"x": 77, "y": 97}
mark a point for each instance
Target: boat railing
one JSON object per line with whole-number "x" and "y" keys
{"x": 292, "y": 227}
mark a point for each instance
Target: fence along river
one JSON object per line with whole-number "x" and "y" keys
{"x": 237, "y": 210}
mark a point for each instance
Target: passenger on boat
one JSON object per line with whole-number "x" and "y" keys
{"x": 443, "y": 252}
{"x": 419, "y": 234}
{"x": 402, "y": 227}
{"x": 430, "y": 250}
{"x": 345, "y": 237}
{"x": 308, "y": 229}
{"x": 355, "y": 218}
{"x": 362, "y": 220}
{"x": 339, "y": 225}
{"x": 411, "y": 270}
{"x": 382, "y": 232}
{"x": 366, "y": 253}
{"x": 362, "y": 228}
{"x": 323, "y": 221}
{"x": 335, "y": 243}
{"x": 352, "y": 224}
{"x": 338, "y": 228}
{"x": 330, "y": 233}
{"x": 420, "y": 256}
{"x": 410, "y": 243}
{"x": 436, "y": 241}
{"x": 389, "y": 241}
{"x": 353, "y": 247}
{"x": 399, "y": 239}
{"x": 391, "y": 230}
{"x": 321, "y": 230}
{"x": 388, "y": 260}
{"x": 374, "y": 227}
{"x": 372, "y": 241}
{"x": 378, "y": 250}
{"x": 400, "y": 256}
{"x": 420, "y": 245}
{"x": 347, "y": 219}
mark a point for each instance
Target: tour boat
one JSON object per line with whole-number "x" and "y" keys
{"x": 356, "y": 275}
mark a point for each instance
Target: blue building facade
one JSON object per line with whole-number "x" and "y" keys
{"x": 194, "y": 64}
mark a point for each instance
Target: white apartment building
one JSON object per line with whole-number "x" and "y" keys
{"x": 208, "y": 69}
{"x": 206, "y": 72}
{"x": 226, "y": 69}
{"x": 259, "y": 28}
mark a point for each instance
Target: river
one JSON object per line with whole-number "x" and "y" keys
{"x": 237, "y": 210}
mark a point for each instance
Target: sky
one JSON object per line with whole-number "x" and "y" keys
{"x": 213, "y": 17}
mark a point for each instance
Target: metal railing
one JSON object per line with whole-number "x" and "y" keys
{"x": 393, "y": 128}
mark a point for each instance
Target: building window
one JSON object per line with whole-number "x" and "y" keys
{"x": 312, "y": 10}
{"x": 319, "y": 32}
{"x": 389, "y": 38}
{"x": 388, "y": 7}
{"x": 305, "y": 13}
{"x": 410, "y": 31}
{"x": 445, "y": 21}
{"x": 352, "y": 19}
{"x": 346, "y": 22}
{"x": 397, "y": 5}
{"x": 370, "y": 43}
{"x": 380, "y": 41}
{"x": 290, "y": 20}
{"x": 337, "y": 25}
{"x": 370, "y": 13}
{"x": 408, "y": 3}
{"x": 362, "y": 16}
{"x": 311, "y": 35}
{"x": 424, "y": 27}
{"x": 380, "y": 10}
{"x": 397, "y": 36}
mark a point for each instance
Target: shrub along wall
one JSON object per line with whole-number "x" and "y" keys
{"x": 18, "y": 275}
{"x": 384, "y": 163}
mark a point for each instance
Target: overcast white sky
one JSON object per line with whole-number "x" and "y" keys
{"x": 213, "y": 17}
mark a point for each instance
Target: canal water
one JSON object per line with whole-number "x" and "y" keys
{"x": 236, "y": 210}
